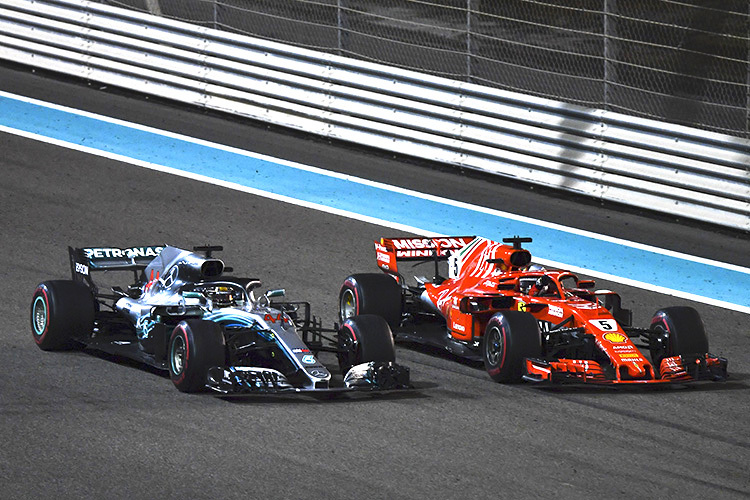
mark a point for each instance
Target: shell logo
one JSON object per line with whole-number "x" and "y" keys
{"x": 615, "y": 338}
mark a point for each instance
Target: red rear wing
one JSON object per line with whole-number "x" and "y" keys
{"x": 390, "y": 250}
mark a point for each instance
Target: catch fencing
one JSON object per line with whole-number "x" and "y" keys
{"x": 680, "y": 61}
{"x": 606, "y": 155}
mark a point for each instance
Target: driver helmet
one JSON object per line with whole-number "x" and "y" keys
{"x": 543, "y": 286}
{"x": 221, "y": 296}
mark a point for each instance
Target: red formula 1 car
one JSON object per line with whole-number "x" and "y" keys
{"x": 525, "y": 322}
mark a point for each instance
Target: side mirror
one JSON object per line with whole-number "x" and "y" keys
{"x": 252, "y": 285}
{"x": 280, "y": 292}
{"x": 612, "y": 302}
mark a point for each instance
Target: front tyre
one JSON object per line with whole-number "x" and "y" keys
{"x": 509, "y": 338}
{"x": 364, "y": 338}
{"x": 194, "y": 347}
{"x": 371, "y": 293}
{"x": 680, "y": 331}
{"x": 61, "y": 312}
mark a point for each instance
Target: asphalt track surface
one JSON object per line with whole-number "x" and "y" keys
{"x": 81, "y": 425}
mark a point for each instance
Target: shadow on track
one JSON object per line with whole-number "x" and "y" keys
{"x": 284, "y": 398}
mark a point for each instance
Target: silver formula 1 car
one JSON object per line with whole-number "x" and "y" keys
{"x": 184, "y": 314}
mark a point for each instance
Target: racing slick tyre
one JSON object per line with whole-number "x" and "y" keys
{"x": 509, "y": 338}
{"x": 371, "y": 293}
{"x": 362, "y": 339}
{"x": 194, "y": 347}
{"x": 61, "y": 311}
{"x": 680, "y": 331}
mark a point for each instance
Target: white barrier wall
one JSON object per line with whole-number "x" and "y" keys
{"x": 673, "y": 169}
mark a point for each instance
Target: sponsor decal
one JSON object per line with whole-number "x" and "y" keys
{"x": 629, "y": 356}
{"x": 308, "y": 359}
{"x": 279, "y": 317}
{"x": 299, "y": 351}
{"x": 120, "y": 253}
{"x": 460, "y": 328}
{"x": 318, "y": 373}
{"x": 82, "y": 269}
{"x": 429, "y": 243}
{"x": 380, "y": 248}
{"x": 411, "y": 254}
{"x": 383, "y": 257}
{"x": 615, "y": 338}
{"x": 521, "y": 306}
{"x": 489, "y": 283}
{"x": 555, "y": 311}
{"x": 169, "y": 280}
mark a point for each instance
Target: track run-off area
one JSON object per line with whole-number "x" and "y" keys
{"x": 301, "y": 213}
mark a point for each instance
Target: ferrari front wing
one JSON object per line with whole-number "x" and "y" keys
{"x": 685, "y": 368}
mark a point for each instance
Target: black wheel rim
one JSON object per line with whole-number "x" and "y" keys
{"x": 347, "y": 351}
{"x": 177, "y": 355}
{"x": 39, "y": 316}
{"x": 348, "y": 305}
{"x": 493, "y": 346}
{"x": 659, "y": 345}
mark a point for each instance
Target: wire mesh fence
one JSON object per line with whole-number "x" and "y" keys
{"x": 682, "y": 61}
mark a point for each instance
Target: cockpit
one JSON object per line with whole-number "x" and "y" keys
{"x": 553, "y": 285}
{"x": 544, "y": 286}
{"x": 226, "y": 293}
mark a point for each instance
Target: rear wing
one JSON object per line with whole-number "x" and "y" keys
{"x": 389, "y": 251}
{"x": 84, "y": 261}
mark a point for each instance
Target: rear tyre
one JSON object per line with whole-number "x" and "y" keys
{"x": 364, "y": 338}
{"x": 509, "y": 338}
{"x": 680, "y": 332}
{"x": 61, "y": 312}
{"x": 371, "y": 293}
{"x": 194, "y": 347}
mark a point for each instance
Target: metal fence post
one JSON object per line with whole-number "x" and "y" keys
{"x": 608, "y": 10}
{"x": 340, "y": 19}
{"x": 153, "y": 7}
{"x": 468, "y": 40}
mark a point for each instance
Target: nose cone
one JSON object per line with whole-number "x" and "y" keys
{"x": 636, "y": 369}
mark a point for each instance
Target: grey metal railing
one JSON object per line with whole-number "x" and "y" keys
{"x": 673, "y": 169}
